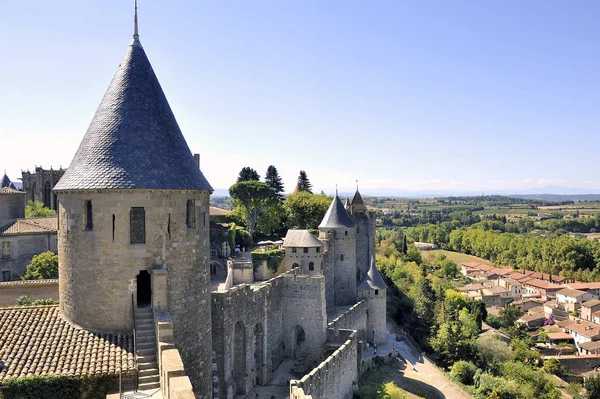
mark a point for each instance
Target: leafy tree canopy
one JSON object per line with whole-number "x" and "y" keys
{"x": 36, "y": 209}
{"x": 305, "y": 210}
{"x": 254, "y": 197}
{"x": 42, "y": 266}
{"x": 247, "y": 174}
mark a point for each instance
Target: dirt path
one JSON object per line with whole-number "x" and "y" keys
{"x": 419, "y": 368}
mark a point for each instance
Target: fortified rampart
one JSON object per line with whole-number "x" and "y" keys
{"x": 336, "y": 376}
{"x": 353, "y": 319}
{"x": 10, "y": 291}
{"x": 255, "y": 327}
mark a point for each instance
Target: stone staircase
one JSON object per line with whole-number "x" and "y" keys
{"x": 300, "y": 365}
{"x": 145, "y": 340}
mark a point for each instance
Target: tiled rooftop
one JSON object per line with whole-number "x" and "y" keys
{"x": 30, "y": 226}
{"x": 37, "y": 340}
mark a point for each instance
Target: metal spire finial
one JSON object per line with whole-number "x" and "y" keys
{"x": 357, "y": 185}
{"x": 136, "y": 36}
{"x": 336, "y": 192}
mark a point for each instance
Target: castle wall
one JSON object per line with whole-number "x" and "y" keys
{"x": 343, "y": 262}
{"x": 363, "y": 237}
{"x": 34, "y": 183}
{"x": 36, "y": 289}
{"x": 336, "y": 376}
{"x": 303, "y": 259}
{"x": 12, "y": 207}
{"x": 277, "y": 307}
{"x": 376, "y": 320}
{"x": 98, "y": 267}
{"x": 328, "y": 267}
{"x": 353, "y": 319}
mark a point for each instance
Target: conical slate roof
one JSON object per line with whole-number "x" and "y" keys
{"x": 347, "y": 203}
{"x": 134, "y": 141}
{"x": 357, "y": 204}
{"x": 6, "y": 182}
{"x": 373, "y": 279}
{"x": 336, "y": 216}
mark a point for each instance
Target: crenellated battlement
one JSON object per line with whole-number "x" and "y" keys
{"x": 354, "y": 318}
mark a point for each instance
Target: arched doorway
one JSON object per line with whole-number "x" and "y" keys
{"x": 300, "y": 336}
{"x": 258, "y": 354}
{"x": 239, "y": 358}
{"x": 47, "y": 195}
{"x": 214, "y": 266}
{"x": 144, "y": 289}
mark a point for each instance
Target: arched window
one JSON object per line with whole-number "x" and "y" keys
{"x": 47, "y": 197}
{"x": 295, "y": 265}
{"x": 311, "y": 266}
{"x": 137, "y": 226}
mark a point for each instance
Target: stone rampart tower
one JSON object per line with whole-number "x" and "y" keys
{"x": 132, "y": 205}
{"x": 365, "y": 234}
{"x": 373, "y": 290}
{"x": 338, "y": 233}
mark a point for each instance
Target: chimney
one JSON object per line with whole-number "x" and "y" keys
{"x": 197, "y": 160}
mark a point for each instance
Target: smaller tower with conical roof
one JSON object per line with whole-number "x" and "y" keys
{"x": 373, "y": 290}
{"x": 365, "y": 233}
{"x": 338, "y": 233}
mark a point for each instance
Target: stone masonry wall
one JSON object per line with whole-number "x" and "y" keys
{"x": 376, "y": 320}
{"x": 361, "y": 220}
{"x": 36, "y": 289}
{"x": 353, "y": 319}
{"x": 336, "y": 376}
{"x": 22, "y": 249}
{"x": 345, "y": 270}
{"x": 12, "y": 206}
{"x": 98, "y": 267}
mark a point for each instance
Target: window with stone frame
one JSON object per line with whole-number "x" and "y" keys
{"x": 88, "y": 215}
{"x": 294, "y": 250}
{"x": 6, "y": 249}
{"x": 190, "y": 218}
{"x": 6, "y": 275}
{"x": 305, "y": 250}
{"x": 137, "y": 226}
{"x": 318, "y": 249}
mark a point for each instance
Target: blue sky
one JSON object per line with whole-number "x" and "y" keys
{"x": 413, "y": 96}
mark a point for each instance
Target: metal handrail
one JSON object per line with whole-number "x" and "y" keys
{"x": 134, "y": 345}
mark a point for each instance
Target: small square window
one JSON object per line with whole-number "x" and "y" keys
{"x": 305, "y": 250}
{"x": 376, "y": 292}
{"x": 318, "y": 249}
{"x": 346, "y": 232}
{"x": 294, "y": 250}
{"x": 6, "y": 275}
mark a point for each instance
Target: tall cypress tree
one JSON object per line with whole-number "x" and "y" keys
{"x": 303, "y": 182}
{"x": 274, "y": 181}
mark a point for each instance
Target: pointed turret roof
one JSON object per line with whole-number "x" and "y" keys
{"x": 347, "y": 203}
{"x": 373, "y": 279}
{"x": 336, "y": 216}
{"x": 133, "y": 141}
{"x": 6, "y": 182}
{"x": 357, "y": 204}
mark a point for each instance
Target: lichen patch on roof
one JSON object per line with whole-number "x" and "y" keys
{"x": 37, "y": 340}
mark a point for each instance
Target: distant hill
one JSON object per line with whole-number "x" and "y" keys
{"x": 559, "y": 197}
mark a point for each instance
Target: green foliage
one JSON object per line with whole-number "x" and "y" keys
{"x": 576, "y": 391}
{"x": 254, "y": 196}
{"x": 55, "y": 387}
{"x": 240, "y": 236}
{"x": 273, "y": 258}
{"x": 274, "y": 181}
{"x": 464, "y": 372}
{"x": 24, "y": 300}
{"x": 592, "y": 385}
{"x": 493, "y": 352}
{"x": 448, "y": 268}
{"x": 303, "y": 182}
{"x": 36, "y": 209}
{"x": 42, "y": 266}
{"x": 305, "y": 210}
{"x": 553, "y": 366}
{"x": 248, "y": 174}
{"x": 509, "y": 315}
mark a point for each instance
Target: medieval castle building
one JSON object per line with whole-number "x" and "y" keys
{"x": 135, "y": 281}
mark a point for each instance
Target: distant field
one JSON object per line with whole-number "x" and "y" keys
{"x": 456, "y": 257}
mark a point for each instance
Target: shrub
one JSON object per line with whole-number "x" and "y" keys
{"x": 553, "y": 366}
{"x": 464, "y": 372}
{"x": 24, "y": 300}
{"x": 273, "y": 258}
{"x": 42, "y": 266}
{"x": 55, "y": 387}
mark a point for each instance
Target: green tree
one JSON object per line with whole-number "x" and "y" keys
{"x": 492, "y": 352}
{"x": 463, "y": 371}
{"x": 553, "y": 366}
{"x": 274, "y": 181}
{"x": 42, "y": 266}
{"x": 247, "y": 174}
{"x": 254, "y": 197}
{"x": 424, "y": 298}
{"x": 448, "y": 268}
{"x": 404, "y": 245}
{"x": 36, "y": 209}
{"x": 305, "y": 210}
{"x": 509, "y": 315}
{"x": 592, "y": 385}
{"x": 303, "y": 182}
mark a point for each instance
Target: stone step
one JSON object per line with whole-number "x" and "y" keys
{"x": 148, "y": 372}
{"x": 147, "y": 365}
{"x": 148, "y": 379}
{"x": 145, "y": 338}
{"x": 146, "y": 351}
{"x": 144, "y": 328}
{"x": 149, "y": 386}
{"x": 146, "y": 358}
{"x": 145, "y": 344}
{"x": 144, "y": 333}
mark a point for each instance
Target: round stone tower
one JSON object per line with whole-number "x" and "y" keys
{"x": 338, "y": 233}
{"x": 364, "y": 220}
{"x": 134, "y": 208}
{"x": 373, "y": 290}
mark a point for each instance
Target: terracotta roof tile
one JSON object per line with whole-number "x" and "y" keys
{"x": 37, "y": 340}
{"x": 31, "y": 226}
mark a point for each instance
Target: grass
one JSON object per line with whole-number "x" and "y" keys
{"x": 383, "y": 383}
{"x": 456, "y": 257}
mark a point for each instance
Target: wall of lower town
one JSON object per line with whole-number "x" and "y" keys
{"x": 10, "y": 291}
{"x": 353, "y": 319}
{"x": 336, "y": 376}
